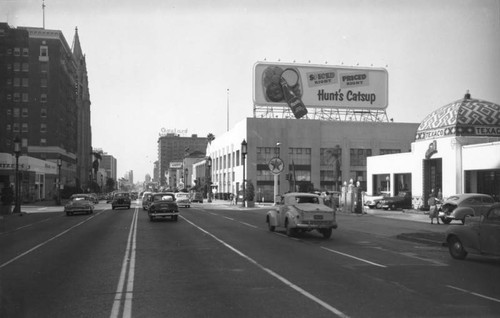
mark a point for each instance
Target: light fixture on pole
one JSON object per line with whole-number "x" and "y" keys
{"x": 243, "y": 155}
{"x": 209, "y": 179}
{"x": 59, "y": 164}
{"x": 17, "y": 152}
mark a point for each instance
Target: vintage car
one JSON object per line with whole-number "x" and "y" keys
{"x": 146, "y": 200}
{"x": 401, "y": 201}
{"x": 480, "y": 235}
{"x": 460, "y": 206}
{"x": 301, "y": 212}
{"x": 197, "y": 197}
{"x": 163, "y": 205}
{"x": 183, "y": 199}
{"x": 79, "y": 203}
{"x": 373, "y": 201}
{"x": 120, "y": 200}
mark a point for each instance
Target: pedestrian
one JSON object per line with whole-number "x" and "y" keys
{"x": 231, "y": 197}
{"x": 236, "y": 198}
{"x": 433, "y": 210}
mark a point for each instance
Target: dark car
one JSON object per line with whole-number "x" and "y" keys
{"x": 480, "y": 235}
{"x": 120, "y": 200}
{"x": 401, "y": 201}
{"x": 459, "y": 206}
{"x": 79, "y": 203}
{"x": 163, "y": 205}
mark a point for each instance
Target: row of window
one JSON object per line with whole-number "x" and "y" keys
{"x": 24, "y": 97}
{"x": 17, "y": 51}
{"x": 24, "y": 82}
{"x": 15, "y": 127}
{"x": 15, "y": 112}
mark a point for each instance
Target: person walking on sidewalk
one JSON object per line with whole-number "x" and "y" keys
{"x": 433, "y": 210}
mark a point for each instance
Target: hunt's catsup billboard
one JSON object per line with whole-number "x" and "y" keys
{"x": 320, "y": 86}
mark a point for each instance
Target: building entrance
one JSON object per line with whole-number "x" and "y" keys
{"x": 433, "y": 178}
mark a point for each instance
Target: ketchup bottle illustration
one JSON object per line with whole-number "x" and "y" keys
{"x": 290, "y": 77}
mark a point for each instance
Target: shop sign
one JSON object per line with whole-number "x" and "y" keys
{"x": 175, "y": 165}
{"x": 321, "y": 86}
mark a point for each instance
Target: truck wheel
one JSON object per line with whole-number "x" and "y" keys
{"x": 456, "y": 248}
{"x": 327, "y": 233}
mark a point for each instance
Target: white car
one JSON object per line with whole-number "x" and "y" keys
{"x": 183, "y": 199}
{"x": 302, "y": 212}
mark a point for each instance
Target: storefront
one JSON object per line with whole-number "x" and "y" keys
{"x": 456, "y": 150}
{"x": 36, "y": 177}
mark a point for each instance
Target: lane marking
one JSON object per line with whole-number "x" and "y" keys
{"x": 121, "y": 295}
{"x": 354, "y": 257}
{"x": 248, "y": 224}
{"x": 44, "y": 243}
{"x": 272, "y": 273}
{"x": 473, "y": 293}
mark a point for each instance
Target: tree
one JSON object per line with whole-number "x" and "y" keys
{"x": 249, "y": 191}
{"x": 110, "y": 184}
{"x": 210, "y": 137}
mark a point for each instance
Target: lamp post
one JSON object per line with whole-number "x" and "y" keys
{"x": 209, "y": 179}
{"x": 59, "y": 164}
{"x": 17, "y": 152}
{"x": 243, "y": 155}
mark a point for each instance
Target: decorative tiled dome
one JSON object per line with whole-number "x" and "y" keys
{"x": 465, "y": 117}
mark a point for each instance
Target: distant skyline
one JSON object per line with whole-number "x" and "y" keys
{"x": 156, "y": 64}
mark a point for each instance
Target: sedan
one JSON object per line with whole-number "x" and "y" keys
{"x": 481, "y": 235}
{"x": 460, "y": 206}
{"x": 401, "y": 201}
{"x": 79, "y": 203}
{"x": 163, "y": 205}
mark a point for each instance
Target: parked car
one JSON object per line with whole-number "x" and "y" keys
{"x": 146, "y": 200}
{"x": 183, "y": 199}
{"x": 301, "y": 212}
{"x": 460, "y": 206}
{"x": 163, "y": 205}
{"x": 373, "y": 201}
{"x": 481, "y": 235}
{"x": 94, "y": 197}
{"x": 120, "y": 200}
{"x": 401, "y": 201}
{"x": 79, "y": 203}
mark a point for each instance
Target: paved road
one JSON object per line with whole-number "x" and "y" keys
{"x": 220, "y": 261}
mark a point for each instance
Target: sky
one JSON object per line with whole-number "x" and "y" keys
{"x": 156, "y": 64}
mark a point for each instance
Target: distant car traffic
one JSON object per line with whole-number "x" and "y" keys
{"x": 120, "y": 200}
{"x": 146, "y": 200}
{"x": 163, "y": 205}
{"x": 79, "y": 203}
{"x": 459, "y": 206}
{"x": 373, "y": 201}
{"x": 183, "y": 199}
{"x": 401, "y": 201}
{"x": 302, "y": 212}
{"x": 481, "y": 235}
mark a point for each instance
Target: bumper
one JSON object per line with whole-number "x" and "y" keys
{"x": 163, "y": 214}
{"x": 316, "y": 225}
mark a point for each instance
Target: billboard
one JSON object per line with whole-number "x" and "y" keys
{"x": 298, "y": 85}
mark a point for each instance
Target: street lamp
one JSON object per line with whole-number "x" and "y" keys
{"x": 17, "y": 152}
{"x": 243, "y": 155}
{"x": 59, "y": 164}
{"x": 209, "y": 179}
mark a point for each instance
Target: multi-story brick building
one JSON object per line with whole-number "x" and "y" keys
{"x": 44, "y": 101}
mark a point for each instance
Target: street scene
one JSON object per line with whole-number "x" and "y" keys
{"x": 219, "y": 260}
{"x": 327, "y": 158}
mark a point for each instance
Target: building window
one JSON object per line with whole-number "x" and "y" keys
{"x": 43, "y": 98}
{"x": 24, "y": 127}
{"x": 9, "y": 127}
{"x": 26, "y": 51}
{"x": 17, "y": 51}
{"x": 25, "y": 97}
{"x": 17, "y": 97}
{"x": 44, "y": 51}
{"x": 44, "y": 67}
{"x": 24, "y": 112}
{"x": 15, "y": 127}
{"x": 43, "y": 82}
{"x": 26, "y": 67}
{"x": 358, "y": 156}
{"x": 15, "y": 112}
{"x": 389, "y": 151}
{"x": 300, "y": 156}
{"x": 43, "y": 128}
{"x": 24, "y": 142}
{"x": 43, "y": 142}
{"x": 9, "y": 112}
{"x": 17, "y": 67}
{"x": 17, "y": 82}
{"x": 25, "y": 82}
{"x": 9, "y": 96}
{"x": 9, "y": 81}
{"x": 43, "y": 112}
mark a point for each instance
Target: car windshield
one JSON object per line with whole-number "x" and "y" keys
{"x": 307, "y": 199}
{"x": 163, "y": 197}
{"x": 182, "y": 195}
{"x": 121, "y": 195}
{"x": 80, "y": 198}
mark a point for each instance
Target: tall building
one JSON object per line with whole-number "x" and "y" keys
{"x": 172, "y": 149}
{"x": 108, "y": 163}
{"x": 44, "y": 101}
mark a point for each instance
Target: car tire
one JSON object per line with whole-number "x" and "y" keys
{"x": 378, "y": 206}
{"x": 128, "y": 208}
{"x": 290, "y": 231}
{"x": 456, "y": 248}
{"x": 175, "y": 218}
{"x": 112, "y": 207}
{"x": 327, "y": 233}
{"x": 445, "y": 220}
{"x": 270, "y": 227}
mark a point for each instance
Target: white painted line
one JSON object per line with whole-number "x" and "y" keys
{"x": 229, "y": 218}
{"x": 475, "y": 294}
{"x": 44, "y": 243}
{"x": 248, "y": 224}
{"x": 272, "y": 273}
{"x": 354, "y": 257}
{"x": 128, "y": 262}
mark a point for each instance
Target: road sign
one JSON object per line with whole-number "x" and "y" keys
{"x": 276, "y": 165}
